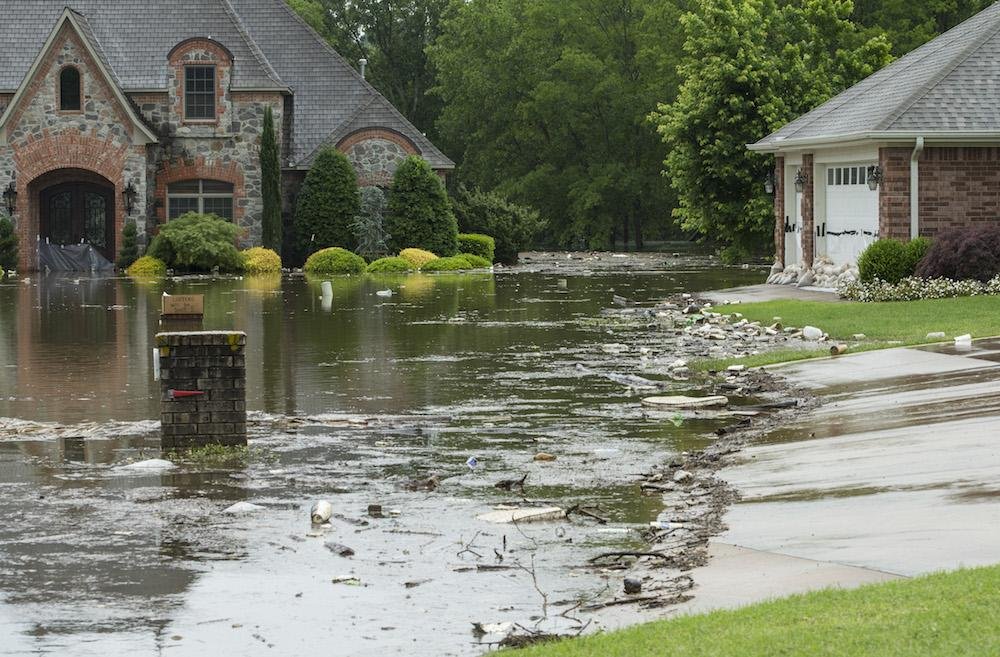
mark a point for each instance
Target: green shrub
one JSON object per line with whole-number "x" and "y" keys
{"x": 393, "y": 265}
{"x": 885, "y": 260}
{"x": 916, "y": 249}
{"x": 451, "y": 263}
{"x": 369, "y": 225}
{"x": 420, "y": 213}
{"x": 335, "y": 260}
{"x": 259, "y": 260}
{"x": 512, "y": 226}
{"x": 417, "y": 257}
{"x": 8, "y": 246}
{"x": 129, "y": 252}
{"x": 147, "y": 267}
{"x": 483, "y": 246}
{"x": 327, "y": 204}
{"x": 477, "y": 262}
{"x": 198, "y": 242}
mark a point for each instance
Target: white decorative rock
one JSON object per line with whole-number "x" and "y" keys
{"x": 531, "y": 514}
{"x": 812, "y": 333}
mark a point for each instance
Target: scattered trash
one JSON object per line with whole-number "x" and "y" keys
{"x": 338, "y": 549}
{"x": 415, "y": 583}
{"x": 242, "y": 507}
{"x": 562, "y": 283}
{"x": 606, "y": 452}
{"x": 150, "y": 465}
{"x": 384, "y": 293}
{"x": 529, "y": 514}
{"x": 321, "y": 512}
{"x": 936, "y": 335}
{"x": 472, "y": 462}
{"x": 614, "y": 348}
{"x": 683, "y": 401}
{"x": 682, "y": 476}
{"x": 630, "y": 380}
{"x": 482, "y": 629}
{"x": 619, "y": 300}
{"x": 375, "y": 510}
{"x": 838, "y": 349}
{"x": 349, "y": 580}
{"x": 633, "y": 585}
{"x": 545, "y": 456}
{"x": 967, "y": 339}
{"x": 812, "y": 333}
{"x": 862, "y": 336}
{"x": 677, "y": 419}
{"x": 736, "y": 368}
{"x": 428, "y": 484}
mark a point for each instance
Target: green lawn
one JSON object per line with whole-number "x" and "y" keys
{"x": 945, "y": 615}
{"x": 884, "y": 324}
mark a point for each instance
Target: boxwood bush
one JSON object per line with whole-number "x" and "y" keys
{"x": 417, "y": 257}
{"x": 198, "y": 243}
{"x": 483, "y": 246}
{"x": 147, "y": 267}
{"x": 393, "y": 265}
{"x": 260, "y": 261}
{"x": 969, "y": 252}
{"x": 885, "y": 260}
{"x": 334, "y": 260}
{"x": 451, "y": 263}
{"x": 477, "y": 262}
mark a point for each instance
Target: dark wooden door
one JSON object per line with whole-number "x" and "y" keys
{"x": 72, "y": 213}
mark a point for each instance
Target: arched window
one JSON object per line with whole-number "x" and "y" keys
{"x": 70, "y": 95}
{"x": 204, "y": 196}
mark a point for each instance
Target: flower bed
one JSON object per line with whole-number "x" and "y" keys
{"x": 913, "y": 288}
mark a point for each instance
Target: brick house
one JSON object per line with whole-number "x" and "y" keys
{"x": 911, "y": 150}
{"x": 147, "y": 109}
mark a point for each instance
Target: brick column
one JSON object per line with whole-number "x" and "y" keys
{"x": 808, "y": 228}
{"x": 211, "y": 364}
{"x": 894, "y": 193}
{"x": 779, "y": 210}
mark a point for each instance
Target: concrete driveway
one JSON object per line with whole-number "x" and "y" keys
{"x": 895, "y": 475}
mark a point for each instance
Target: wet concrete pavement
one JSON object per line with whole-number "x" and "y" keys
{"x": 764, "y": 292}
{"x": 894, "y": 475}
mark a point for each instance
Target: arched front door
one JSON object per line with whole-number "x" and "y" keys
{"x": 72, "y": 213}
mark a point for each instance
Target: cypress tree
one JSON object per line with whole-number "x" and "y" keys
{"x": 270, "y": 171}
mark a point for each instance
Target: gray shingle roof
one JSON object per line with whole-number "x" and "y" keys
{"x": 951, "y": 83}
{"x": 272, "y": 48}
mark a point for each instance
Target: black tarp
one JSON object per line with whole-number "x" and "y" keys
{"x": 72, "y": 257}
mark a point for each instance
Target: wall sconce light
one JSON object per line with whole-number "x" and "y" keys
{"x": 875, "y": 176}
{"x": 800, "y": 181}
{"x": 769, "y": 182}
{"x": 10, "y": 195}
{"x": 128, "y": 196}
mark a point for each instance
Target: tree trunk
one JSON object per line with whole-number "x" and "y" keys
{"x": 637, "y": 221}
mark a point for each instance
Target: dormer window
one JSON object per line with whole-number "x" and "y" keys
{"x": 70, "y": 95}
{"x": 199, "y": 93}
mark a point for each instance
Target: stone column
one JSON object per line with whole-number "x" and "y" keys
{"x": 779, "y": 210}
{"x": 202, "y": 388}
{"x": 808, "y": 202}
{"x": 894, "y": 193}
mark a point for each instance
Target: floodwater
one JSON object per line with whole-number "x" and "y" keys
{"x": 348, "y": 403}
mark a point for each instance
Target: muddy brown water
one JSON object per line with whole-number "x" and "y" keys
{"x": 348, "y": 405}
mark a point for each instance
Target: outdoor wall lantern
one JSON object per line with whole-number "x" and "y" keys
{"x": 128, "y": 196}
{"x": 10, "y": 195}
{"x": 800, "y": 181}
{"x": 874, "y": 177}
{"x": 769, "y": 182}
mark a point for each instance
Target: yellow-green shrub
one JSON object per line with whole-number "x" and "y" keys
{"x": 394, "y": 265}
{"x": 417, "y": 257}
{"x": 259, "y": 260}
{"x": 334, "y": 260}
{"x": 147, "y": 267}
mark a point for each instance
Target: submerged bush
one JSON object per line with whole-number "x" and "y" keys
{"x": 483, "y": 246}
{"x": 451, "y": 263}
{"x": 512, "y": 226}
{"x": 147, "y": 267}
{"x": 394, "y": 265}
{"x": 417, "y": 257}
{"x": 477, "y": 262}
{"x": 885, "y": 260}
{"x": 969, "y": 252}
{"x": 198, "y": 242}
{"x": 259, "y": 260}
{"x": 334, "y": 260}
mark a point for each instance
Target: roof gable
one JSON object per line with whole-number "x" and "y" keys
{"x": 73, "y": 21}
{"x": 951, "y": 83}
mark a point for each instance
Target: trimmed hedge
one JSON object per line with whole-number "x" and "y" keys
{"x": 417, "y": 257}
{"x": 477, "y": 262}
{"x": 335, "y": 260}
{"x": 199, "y": 243}
{"x": 147, "y": 267}
{"x": 966, "y": 253}
{"x": 393, "y": 265}
{"x": 419, "y": 213}
{"x": 259, "y": 260}
{"x": 483, "y": 246}
{"x": 884, "y": 260}
{"x": 451, "y": 263}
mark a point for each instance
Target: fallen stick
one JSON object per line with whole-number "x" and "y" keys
{"x": 576, "y": 508}
{"x": 618, "y": 555}
{"x": 621, "y": 601}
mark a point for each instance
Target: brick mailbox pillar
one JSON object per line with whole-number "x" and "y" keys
{"x": 202, "y": 388}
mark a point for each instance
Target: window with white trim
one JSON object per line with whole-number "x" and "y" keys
{"x": 204, "y": 196}
{"x": 199, "y": 93}
{"x": 847, "y": 176}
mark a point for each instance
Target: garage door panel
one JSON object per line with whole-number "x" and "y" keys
{"x": 851, "y": 212}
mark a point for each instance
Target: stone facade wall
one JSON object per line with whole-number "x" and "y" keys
{"x": 375, "y": 154}
{"x": 894, "y": 193}
{"x": 958, "y": 187}
{"x": 213, "y": 363}
{"x": 808, "y": 213}
{"x": 779, "y": 210}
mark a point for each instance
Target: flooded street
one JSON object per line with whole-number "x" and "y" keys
{"x": 350, "y": 404}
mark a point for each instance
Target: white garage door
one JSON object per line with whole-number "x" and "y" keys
{"x": 851, "y": 212}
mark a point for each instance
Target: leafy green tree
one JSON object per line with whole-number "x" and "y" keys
{"x": 749, "y": 67}
{"x": 129, "y": 252}
{"x": 420, "y": 213}
{"x": 547, "y": 101}
{"x": 393, "y": 36}
{"x": 199, "y": 243}
{"x": 911, "y": 23}
{"x": 327, "y": 204}
{"x": 8, "y": 246}
{"x": 270, "y": 172}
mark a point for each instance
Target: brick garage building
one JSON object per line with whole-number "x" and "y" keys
{"x": 116, "y": 110}
{"x": 911, "y": 150}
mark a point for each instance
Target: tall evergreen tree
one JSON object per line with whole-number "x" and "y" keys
{"x": 270, "y": 171}
{"x": 327, "y": 204}
{"x": 129, "y": 252}
{"x": 420, "y": 213}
